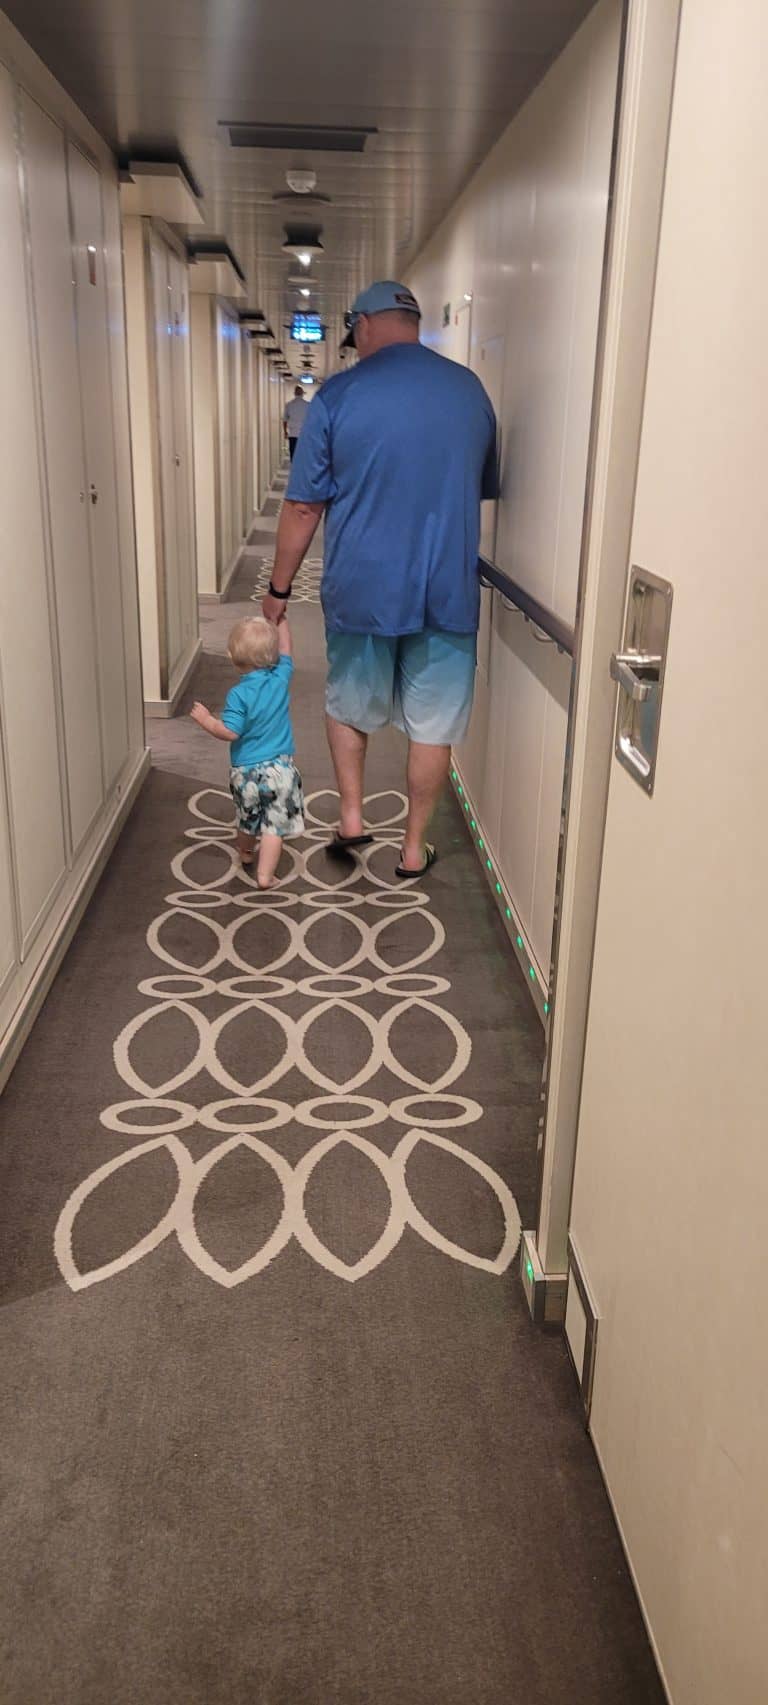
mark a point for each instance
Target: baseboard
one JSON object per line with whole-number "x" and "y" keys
{"x": 168, "y": 707}
{"x": 632, "y": 1571}
{"x": 44, "y": 973}
{"x": 230, "y": 571}
{"x": 535, "y": 980}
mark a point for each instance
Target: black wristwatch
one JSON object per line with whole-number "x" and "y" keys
{"x": 283, "y": 596}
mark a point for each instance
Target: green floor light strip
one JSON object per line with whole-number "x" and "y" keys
{"x": 538, "y": 990}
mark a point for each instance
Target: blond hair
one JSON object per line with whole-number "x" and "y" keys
{"x": 253, "y": 643}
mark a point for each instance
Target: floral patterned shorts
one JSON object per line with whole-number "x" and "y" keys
{"x": 269, "y": 799}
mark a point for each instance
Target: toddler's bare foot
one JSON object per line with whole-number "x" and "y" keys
{"x": 266, "y": 881}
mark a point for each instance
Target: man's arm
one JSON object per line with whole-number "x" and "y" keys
{"x": 296, "y": 530}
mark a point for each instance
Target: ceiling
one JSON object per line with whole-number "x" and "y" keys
{"x": 437, "y": 79}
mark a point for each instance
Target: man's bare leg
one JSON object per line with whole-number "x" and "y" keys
{"x": 348, "y": 749}
{"x": 427, "y": 774}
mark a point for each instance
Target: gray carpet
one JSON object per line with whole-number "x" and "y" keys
{"x": 275, "y": 1425}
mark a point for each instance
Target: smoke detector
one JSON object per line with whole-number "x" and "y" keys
{"x": 301, "y": 182}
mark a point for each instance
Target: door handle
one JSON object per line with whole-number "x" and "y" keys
{"x": 637, "y": 673}
{"x": 94, "y": 494}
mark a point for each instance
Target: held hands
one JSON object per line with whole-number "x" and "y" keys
{"x": 274, "y": 609}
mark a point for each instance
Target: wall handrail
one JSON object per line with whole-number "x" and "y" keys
{"x": 553, "y": 626}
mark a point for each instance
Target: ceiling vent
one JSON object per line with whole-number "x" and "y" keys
{"x": 322, "y": 138}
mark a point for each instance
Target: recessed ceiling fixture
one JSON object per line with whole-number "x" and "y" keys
{"x": 309, "y": 138}
{"x": 301, "y": 182}
{"x": 303, "y": 241}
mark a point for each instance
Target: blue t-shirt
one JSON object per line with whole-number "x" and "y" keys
{"x": 257, "y": 710}
{"x": 400, "y": 449}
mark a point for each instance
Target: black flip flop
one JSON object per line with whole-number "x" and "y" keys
{"x": 413, "y": 875}
{"x": 348, "y": 843}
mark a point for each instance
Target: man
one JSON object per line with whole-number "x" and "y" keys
{"x": 398, "y": 453}
{"x": 296, "y": 412}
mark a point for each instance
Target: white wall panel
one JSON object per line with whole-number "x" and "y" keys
{"x": 204, "y": 405}
{"x": 27, "y": 652}
{"x": 523, "y": 713}
{"x": 146, "y": 483}
{"x": 91, "y": 296}
{"x": 526, "y": 242}
{"x": 118, "y": 380}
{"x": 70, "y": 690}
{"x": 247, "y": 431}
{"x": 556, "y": 684}
{"x": 183, "y": 474}
{"x": 226, "y": 430}
{"x": 9, "y": 946}
{"x": 162, "y": 329}
{"x": 48, "y": 213}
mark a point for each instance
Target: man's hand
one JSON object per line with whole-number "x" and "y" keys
{"x": 273, "y": 608}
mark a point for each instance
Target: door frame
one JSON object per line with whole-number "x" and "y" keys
{"x": 643, "y": 109}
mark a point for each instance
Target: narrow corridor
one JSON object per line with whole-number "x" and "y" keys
{"x": 288, "y": 1433}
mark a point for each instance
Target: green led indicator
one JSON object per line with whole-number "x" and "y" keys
{"x": 498, "y": 887}
{"x": 529, "y": 1270}
{"x": 472, "y": 823}
{"x": 453, "y": 775}
{"x": 488, "y": 862}
{"x": 461, "y": 790}
{"x": 532, "y": 973}
{"x": 481, "y": 842}
{"x": 508, "y": 913}
{"x": 519, "y": 941}
{"x": 546, "y": 1007}
{"x": 466, "y": 805}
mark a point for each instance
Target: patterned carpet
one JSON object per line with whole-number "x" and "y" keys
{"x": 276, "y": 1427}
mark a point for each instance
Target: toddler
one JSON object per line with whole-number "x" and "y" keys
{"x": 264, "y": 781}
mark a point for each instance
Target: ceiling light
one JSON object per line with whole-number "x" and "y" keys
{"x": 304, "y": 290}
{"x": 301, "y": 182}
{"x": 304, "y": 258}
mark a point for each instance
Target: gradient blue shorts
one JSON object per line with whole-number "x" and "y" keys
{"x": 421, "y": 682}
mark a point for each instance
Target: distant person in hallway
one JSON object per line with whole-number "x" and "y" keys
{"x": 397, "y": 453}
{"x": 296, "y": 412}
{"x": 256, "y": 720}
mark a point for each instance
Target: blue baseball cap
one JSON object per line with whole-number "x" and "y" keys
{"x": 379, "y": 298}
